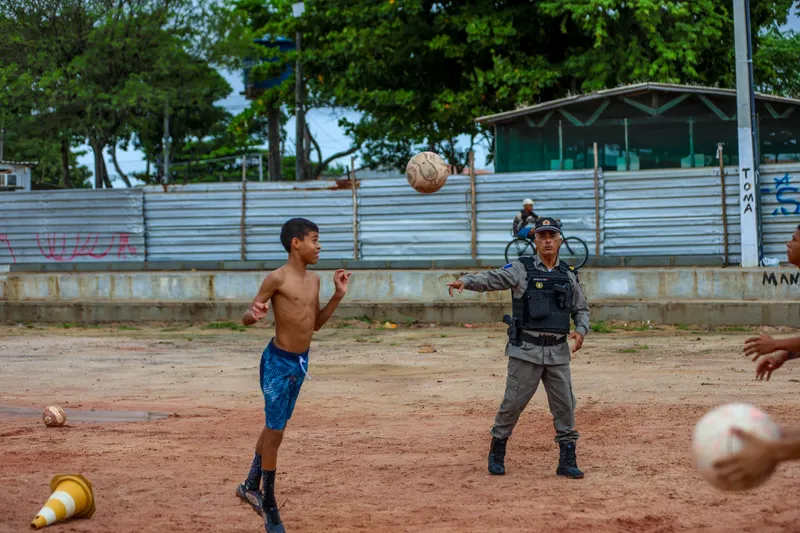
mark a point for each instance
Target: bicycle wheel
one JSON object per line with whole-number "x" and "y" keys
{"x": 518, "y": 248}
{"x": 574, "y": 252}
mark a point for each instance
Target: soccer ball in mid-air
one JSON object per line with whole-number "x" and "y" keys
{"x": 427, "y": 172}
{"x": 713, "y": 440}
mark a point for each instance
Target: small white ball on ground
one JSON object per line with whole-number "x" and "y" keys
{"x": 54, "y": 416}
{"x": 427, "y": 172}
{"x": 712, "y": 439}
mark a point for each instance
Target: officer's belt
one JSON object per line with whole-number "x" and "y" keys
{"x": 542, "y": 340}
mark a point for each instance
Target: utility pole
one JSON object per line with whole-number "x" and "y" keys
{"x": 299, "y": 166}
{"x": 274, "y": 140}
{"x": 306, "y": 152}
{"x": 165, "y": 177}
{"x": 745, "y": 116}
{"x": 2, "y": 136}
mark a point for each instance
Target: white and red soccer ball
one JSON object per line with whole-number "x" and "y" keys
{"x": 427, "y": 172}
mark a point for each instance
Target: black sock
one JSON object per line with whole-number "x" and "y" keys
{"x": 254, "y": 476}
{"x": 268, "y": 488}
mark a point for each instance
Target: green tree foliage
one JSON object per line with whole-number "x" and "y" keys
{"x": 37, "y": 115}
{"x": 208, "y": 154}
{"x": 25, "y": 141}
{"x": 420, "y": 71}
{"x": 775, "y": 64}
{"x": 252, "y": 25}
{"x": 192, "y": 114}
{"x": 106, "y": 71}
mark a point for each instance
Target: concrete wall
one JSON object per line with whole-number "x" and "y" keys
{"x": 756, "y": 284}
{"x": 667, "y": 296}
{"x": 365, "y": 285}
{"x": 419, "y": 286}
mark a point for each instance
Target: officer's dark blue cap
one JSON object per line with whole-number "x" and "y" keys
{"x": 547, "y": 224}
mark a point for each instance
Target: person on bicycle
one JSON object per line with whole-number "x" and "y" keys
{"x": 523, "y": 218}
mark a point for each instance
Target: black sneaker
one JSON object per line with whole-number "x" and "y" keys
{"x": 567, "y": 462}
{"x": 251, "y": 497}
{"x": 272, "y": 521}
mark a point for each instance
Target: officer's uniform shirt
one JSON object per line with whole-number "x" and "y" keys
{"x": 514, "y": 276}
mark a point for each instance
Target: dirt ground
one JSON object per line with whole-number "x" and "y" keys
{"x": 385, "y": 437}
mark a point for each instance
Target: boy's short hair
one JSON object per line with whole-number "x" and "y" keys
{"x": 296, "y": 227}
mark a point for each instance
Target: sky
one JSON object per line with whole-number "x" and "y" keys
{"x": 794, "y": 22}
{"x": 323, "y": 124}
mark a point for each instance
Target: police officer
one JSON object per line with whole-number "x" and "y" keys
{"x": 545, "y": 294}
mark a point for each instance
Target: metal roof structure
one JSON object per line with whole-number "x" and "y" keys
{"x": 627, "y": 90}
{"x": 20, "y": 163}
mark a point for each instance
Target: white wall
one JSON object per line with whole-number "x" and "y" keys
{"x": 23, "y": 174}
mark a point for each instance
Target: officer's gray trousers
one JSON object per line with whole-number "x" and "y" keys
{"x": 522, "y": 382}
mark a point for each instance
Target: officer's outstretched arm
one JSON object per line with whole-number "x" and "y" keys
{"x": 580, "y": 308}
{"x": 508, "y": 277}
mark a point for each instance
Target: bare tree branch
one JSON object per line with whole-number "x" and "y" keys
{"x": 324, "y": 164}
{"x": 104, "y": 171}
{"x": 66, "y": 181}
{"x": 314, "y": 142}
{"x": 113, "y": 152}
{"x": 449, "y": 154}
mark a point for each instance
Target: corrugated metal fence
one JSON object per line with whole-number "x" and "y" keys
{"x": 395, "y": 221}
{"x": 204, "y": 222}
{"x": 671, "y": 212}
{"x": 72, "y": 226}
{"x": 642, "y": 213}
{"x": 567, "y": 195}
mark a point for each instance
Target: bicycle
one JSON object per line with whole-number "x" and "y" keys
{"x": 573, "y": 250}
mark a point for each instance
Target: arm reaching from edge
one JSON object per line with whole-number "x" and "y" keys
{"x": 764, "y": 345}
{"x": 770, "y": 363}
{"x": 340, "y": 279}
{"x": 259, "y": 308}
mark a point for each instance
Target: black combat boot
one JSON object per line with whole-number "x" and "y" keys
{"x": 567, "y": 462}
{"x": 272, "y": 521}
{"x": 497, "y": 457}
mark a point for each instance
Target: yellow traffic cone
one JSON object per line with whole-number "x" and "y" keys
{"x": 72, "y": 497}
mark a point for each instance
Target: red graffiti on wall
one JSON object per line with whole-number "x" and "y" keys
{"x": 4, "y": 238}
{"x": 124, "y": 246}
{"x": 57, "y": 248}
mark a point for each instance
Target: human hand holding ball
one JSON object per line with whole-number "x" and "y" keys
{"x": 756, "y": 461}
{"x": 732, "y": 445}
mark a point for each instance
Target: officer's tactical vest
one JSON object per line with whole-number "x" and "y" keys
{"x": 546, "y": 304}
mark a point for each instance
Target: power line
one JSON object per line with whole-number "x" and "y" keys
{"x": 328, "y": 135}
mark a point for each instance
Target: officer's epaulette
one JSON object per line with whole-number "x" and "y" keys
{"x": 568, "y": 268}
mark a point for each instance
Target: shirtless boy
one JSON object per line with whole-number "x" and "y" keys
{"x": 294, "y": 292}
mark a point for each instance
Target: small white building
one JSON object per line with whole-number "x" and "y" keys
{"x": 15, "y": 175}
